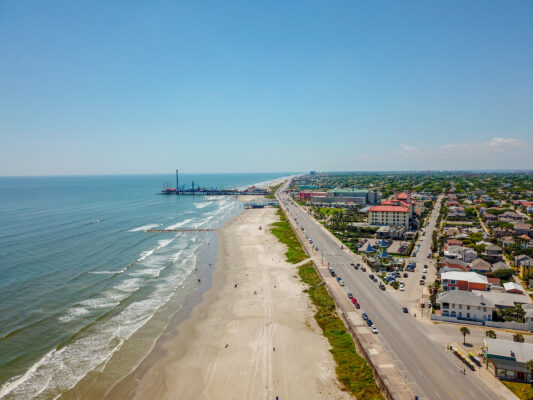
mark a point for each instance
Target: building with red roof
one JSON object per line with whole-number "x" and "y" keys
{"x": 396, "y": 211}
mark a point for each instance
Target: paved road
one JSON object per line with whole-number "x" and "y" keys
{"x": 431, "y": 370}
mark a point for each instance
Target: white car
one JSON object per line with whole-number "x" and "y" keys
{"x": 374, "y": 329}
{"x": 402, "y": 286}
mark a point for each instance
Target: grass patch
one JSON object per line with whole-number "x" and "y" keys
{"x": 521, "y": 390}
{"x": 272, "y": 190}
{"x": 330, "y": 210}
{"x": 283, "y": 231}
{"x": 353, "y": 372}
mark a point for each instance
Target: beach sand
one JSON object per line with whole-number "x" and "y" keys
{"x": 225, "y": 350}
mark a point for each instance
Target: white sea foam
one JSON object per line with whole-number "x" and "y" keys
{"x": 144, "y": 227}
{"x": 73, "y": 313}
{"x": 203, "y": 204}
{"x": 108, "y": 272}
{"x": 59, "y": 370}
{"x": 98, "y": 302}
{"x": 180, "y": 224}
{"x": 129, "y": 285}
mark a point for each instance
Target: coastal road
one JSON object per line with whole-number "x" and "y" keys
{"x": 431, "y": 370}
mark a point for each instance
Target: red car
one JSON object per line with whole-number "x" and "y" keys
{"x": 357, "y": 305}
{"x": 354, "y": 300}
{"x": 363, "y": 269}
{"x": 356, "y": 267}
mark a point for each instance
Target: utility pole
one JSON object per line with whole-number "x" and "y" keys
{"x": 177, "y": 181}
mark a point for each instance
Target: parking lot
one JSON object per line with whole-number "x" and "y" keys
{"x": 393, "y": 248}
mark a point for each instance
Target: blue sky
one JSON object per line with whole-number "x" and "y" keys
{"x": 105, "y": 87}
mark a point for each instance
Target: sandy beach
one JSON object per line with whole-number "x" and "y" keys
{"x": 241, "y": 345}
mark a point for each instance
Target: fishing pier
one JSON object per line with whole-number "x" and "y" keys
{"x": 193, "y": 190}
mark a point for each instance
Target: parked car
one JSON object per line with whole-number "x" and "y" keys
{"x": 429, "y": 255}
{"x": 355, "y": 267}
{"x": 350, "y": 296}
{"x": 369, "y": 322}
{"x": 363, "y": 269}
{"x": 365, "y": 316}
{"x": 375, "y": 279}
{"x": 422, "y": 282}
{"x": 424, "y": 277}
{"x": 405, "y": 310}
{"x": 371, "y": 276}
{"x": 357, "y": 306}
{"x": 382, "y": 286}
{"x": 341, "y": 282}
{"x": 405, "y": 275}
{"x": 374, "y": 329}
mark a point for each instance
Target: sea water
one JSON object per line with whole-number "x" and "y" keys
{"x": 80, "y": 275}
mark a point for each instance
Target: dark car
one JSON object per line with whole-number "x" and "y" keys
{"x": 375, "y": 279}
{"x": 371, "y": 276}
{"x": 429, "y": 255}
{"x": 332, "y": 273}
{"x": 368, "y": 321}
{"x": 357, "y": 306}
{"x": 358, "y": 264}
{"x": 365, "y": 316}
{"x": 350, "y": 295}
{"x": 355, "y": 267}
{"x": 405, "y": 275}
{"x": 352, "y": 264}
{"x": 363, "y": 269}
{"x": 382, "y": 286}
{"x": 405, "y": 310}
{"x": 424, "y": 277}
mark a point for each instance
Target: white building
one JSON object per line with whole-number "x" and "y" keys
{"x": 465, "y": 305}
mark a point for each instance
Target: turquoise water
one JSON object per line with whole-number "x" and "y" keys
{"x": 79, "y": 274}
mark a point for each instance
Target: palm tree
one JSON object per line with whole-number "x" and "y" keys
{"x": 490, "y": 334}
{"x": 529, "y": 365}
{"x": 518, "y": 337}
{"x": 465, "y": 331}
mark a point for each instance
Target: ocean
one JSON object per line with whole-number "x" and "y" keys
{"x": 84, "y": 290}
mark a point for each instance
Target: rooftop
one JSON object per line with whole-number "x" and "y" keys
{"x": 522, "y": 352}
{"x": 389, "y": 209}
{"x": 513, "y": 286}
{"x": 463, "y": 297}
{"x": 503, "y": 299}
{"x": 472, "y": 277}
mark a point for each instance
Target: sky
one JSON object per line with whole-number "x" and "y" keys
{"x": 130, "y": 87}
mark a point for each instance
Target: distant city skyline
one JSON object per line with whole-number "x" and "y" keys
{"x": 90, "y": 88}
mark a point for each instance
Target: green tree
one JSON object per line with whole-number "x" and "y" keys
{"x": 518, "y": 337}
{"x": 465, "y": 331}
{"x": 490, "y": 334}
{"x": 529, "y": 365}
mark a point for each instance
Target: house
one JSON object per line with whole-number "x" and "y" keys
{"x": 490, "y": 217}
{"x": 507, "y": 360}
{"x": 502, "y": 299}
{"x": 507, "y": 241}
{"x": 465, "y": 305}
{"x": 524, "y": 260}
{"x": 456, "y": 264}
{"x": 513, "y": 287}
{"x": 454, "y": 242}
{"x": 461, "y": 280}
{"x": 454, "y": 252}
{"x": 522, "y": 229}
{"x": 480, "y": 265}
{"x": 512, "y": 216}
{"x": 501, "y": 232}
{"x": 493, "y": 253}
{"x": 499, "y": 265}
{"x": 469, "y": 255}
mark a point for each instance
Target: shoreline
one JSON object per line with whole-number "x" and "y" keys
{"x": 225, "y": 346}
